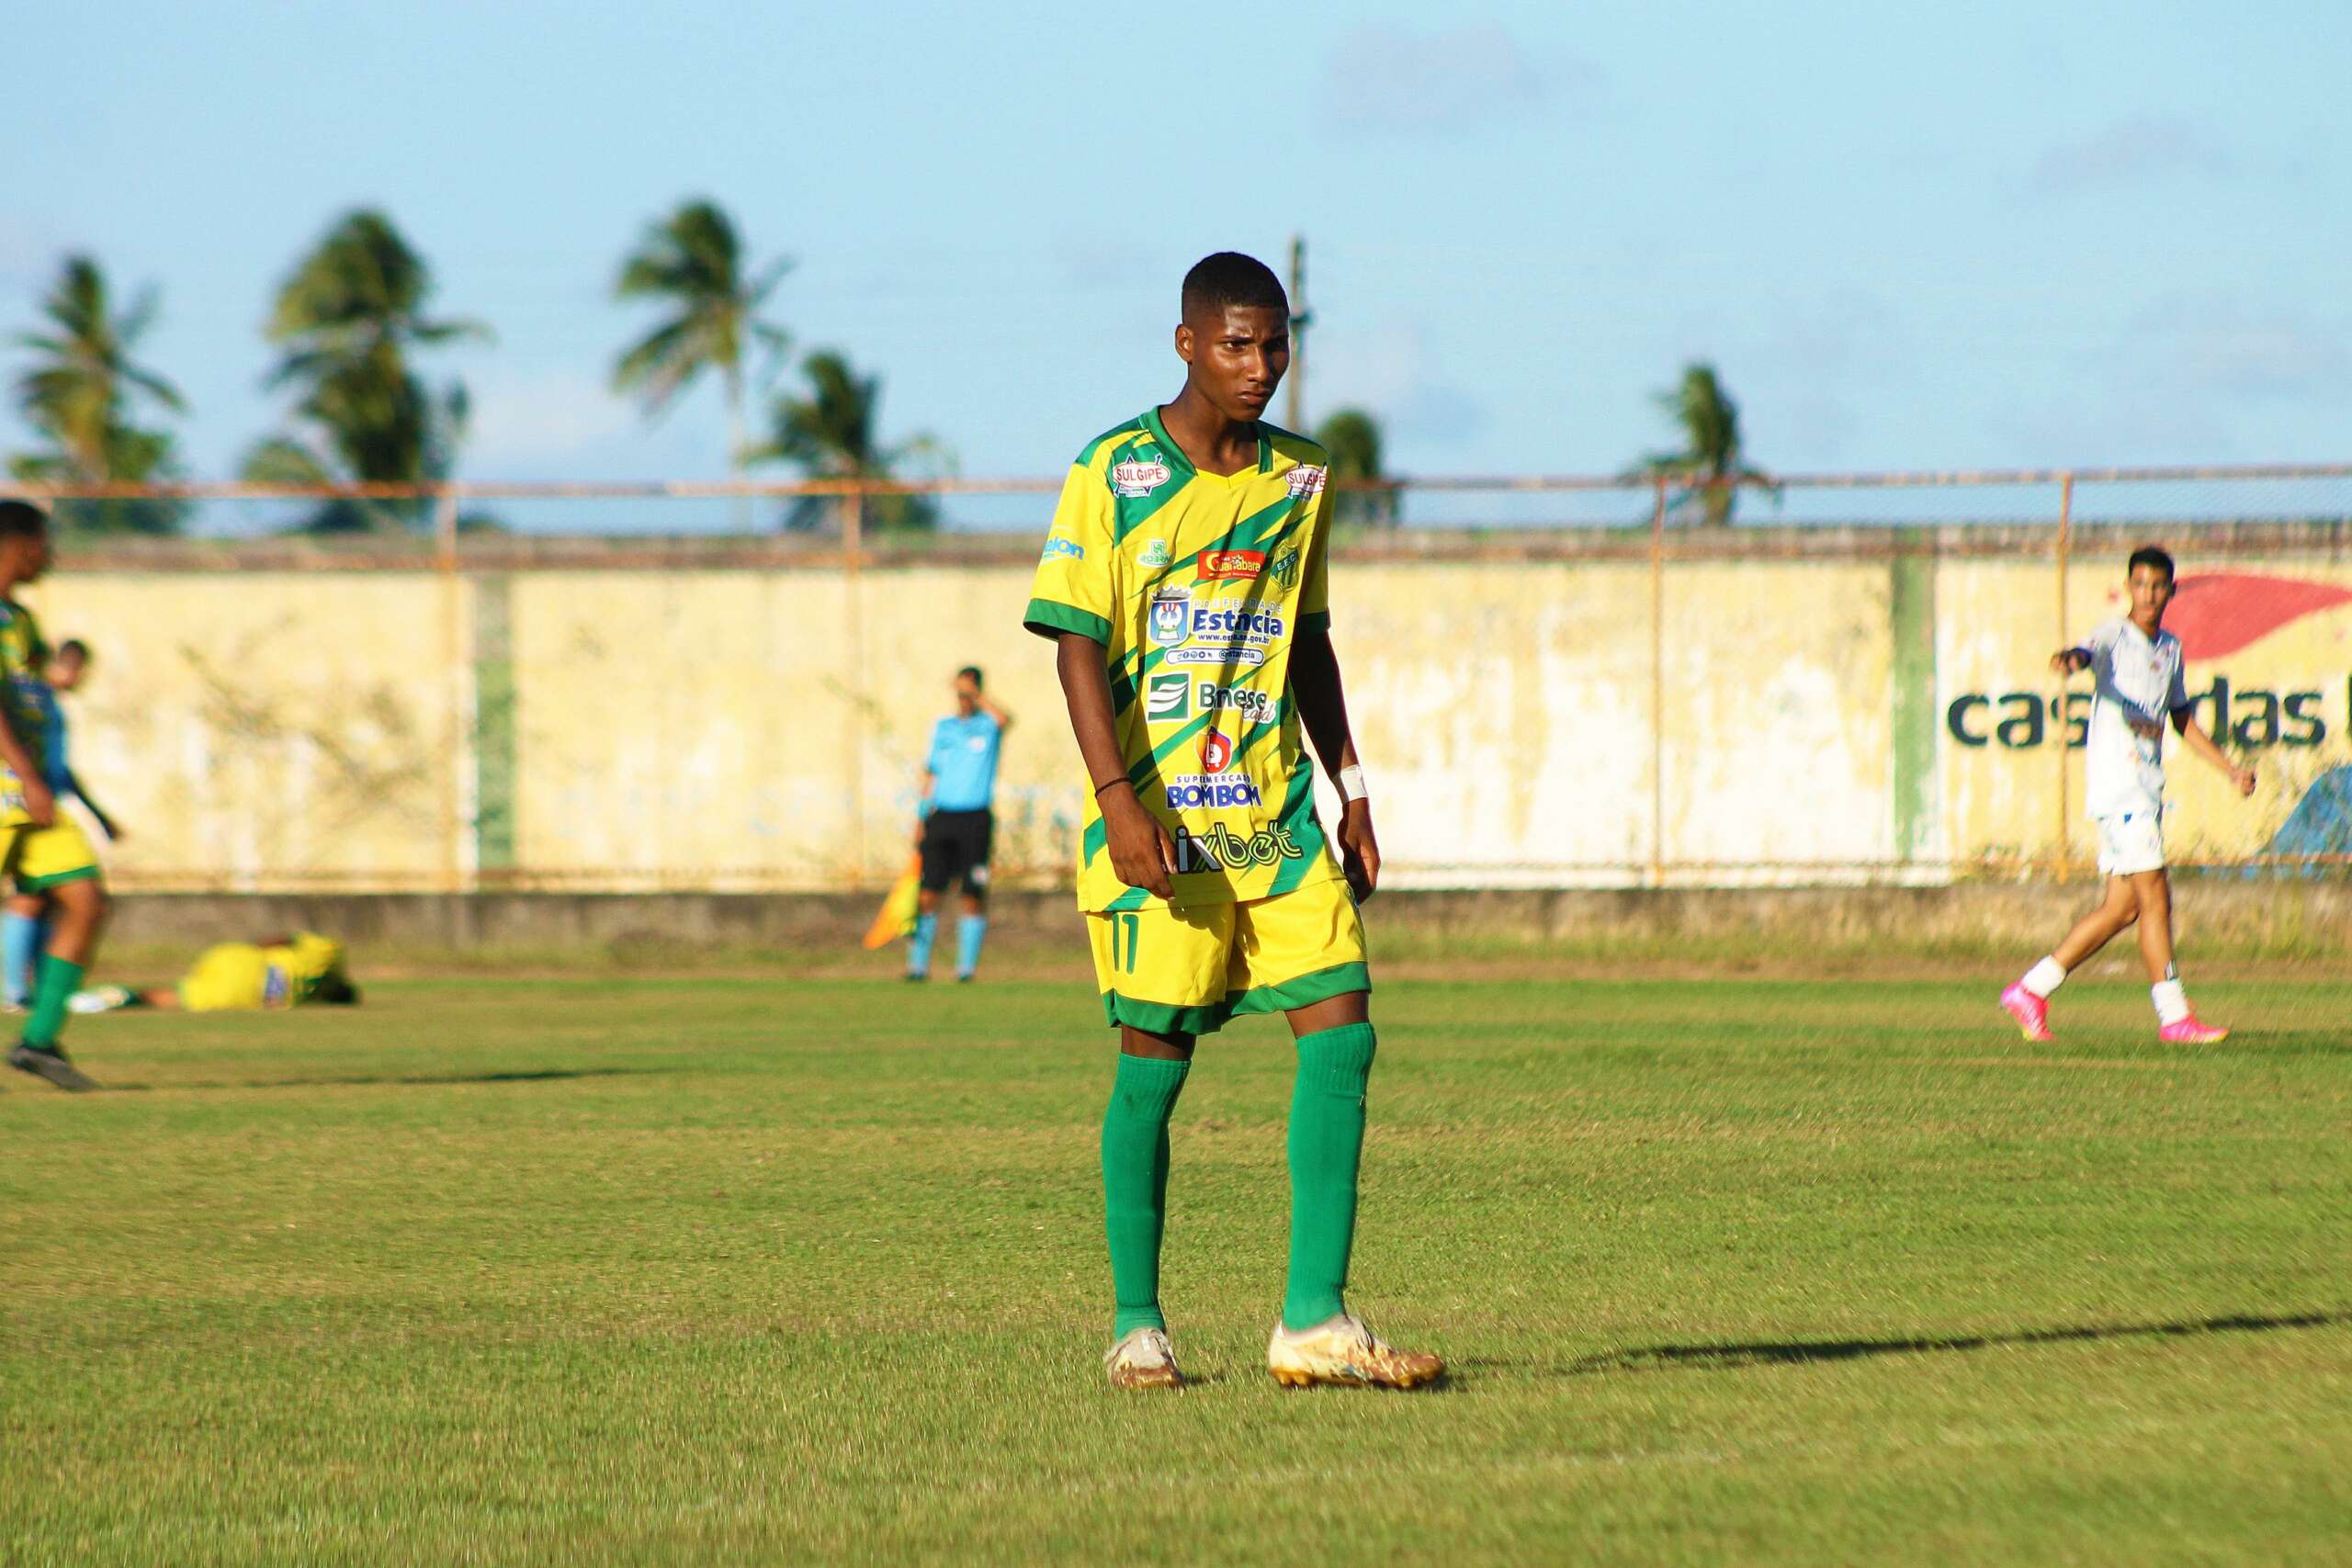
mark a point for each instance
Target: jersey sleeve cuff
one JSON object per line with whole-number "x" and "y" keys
{"x": 1314, "y": 621}
{"x": 1049, "y": 617}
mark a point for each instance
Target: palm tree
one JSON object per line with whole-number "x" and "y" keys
{"x": 828, "y": 434}
{"x": 78, "y": 394}
{"x": 346, "y": 321}
{"x": 1710, "y": 462}
{"x": 693, "y": 261}
{"x": 1352, "y": 438}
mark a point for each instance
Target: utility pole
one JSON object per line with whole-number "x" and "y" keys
{"x": 1295, "y": 407}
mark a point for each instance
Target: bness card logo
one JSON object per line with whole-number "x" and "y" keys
{"x": 1168, "y": 699}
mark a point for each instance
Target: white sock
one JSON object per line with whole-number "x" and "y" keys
{"x": 2043, "y": 977}
{"x": 2172, "y": 1002}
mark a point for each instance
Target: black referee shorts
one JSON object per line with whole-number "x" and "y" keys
{"x": 955, "y": 847}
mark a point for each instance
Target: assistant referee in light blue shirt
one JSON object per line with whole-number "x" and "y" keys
{"x": 958, "y": 791}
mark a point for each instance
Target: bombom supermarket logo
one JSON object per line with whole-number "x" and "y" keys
{"x": 1231, "y": 565}
{"x": 1222, "y": 849}
{"x": 1133, "y": 479}
{"x": 1210, "y": 792}
{"x": 1217, "y": 751}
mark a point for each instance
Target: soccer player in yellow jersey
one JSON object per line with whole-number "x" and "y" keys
{"x": 1183, "y": 586}
{"x": 45, "y": 852}
{"x": 295, "y": 970}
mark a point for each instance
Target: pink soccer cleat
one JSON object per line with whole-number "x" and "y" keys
{"x": 2190, "y": 1031}
{"x": 2031, "y": 1012}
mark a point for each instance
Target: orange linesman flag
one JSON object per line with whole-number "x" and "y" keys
{"x": 898, "y": 916}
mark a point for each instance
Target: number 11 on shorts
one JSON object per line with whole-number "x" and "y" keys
{"x": 1135, "y": 935}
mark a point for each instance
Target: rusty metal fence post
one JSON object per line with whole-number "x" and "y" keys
{"x": 1658, "y": 686}
{"x": 2061, "y": 849}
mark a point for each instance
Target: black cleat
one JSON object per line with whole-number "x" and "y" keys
{"x": 49, "y": 1062}
{"x": 916, "y": 979}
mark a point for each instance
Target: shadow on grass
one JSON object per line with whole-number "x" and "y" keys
{"x": 1724, "y": 1357}
{"x": 548, "y": 1074}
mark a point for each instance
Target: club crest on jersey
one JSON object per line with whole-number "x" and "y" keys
{"x": 1133, "y": 479}
{"x": 1304, "y": 479}
{"x": 1217, "y": 751}
{"x": 1230, "y": 566}
{"x": 1154, "y": 553}
{"x": 1171, "y": 618}
{"x": 1285, "y": 570}
{"x": 1168, "y": 699}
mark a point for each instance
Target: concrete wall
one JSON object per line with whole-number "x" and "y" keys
{"x": 1775, "y": 710}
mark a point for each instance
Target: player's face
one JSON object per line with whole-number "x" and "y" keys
{"x": 24, "y": 557}
{"x": 2151, "y": 592}
{"x": 968, "y": 695}
{"x": 65, "y": 672}
{"x": 1238, "y": 354}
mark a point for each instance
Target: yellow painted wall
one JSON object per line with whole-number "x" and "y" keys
{"x": 749, "y": 729}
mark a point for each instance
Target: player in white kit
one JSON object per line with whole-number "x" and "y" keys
{"x": 2136, "y": 667}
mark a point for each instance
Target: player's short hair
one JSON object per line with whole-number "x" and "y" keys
{"x": 972, "y": 672}
{"x": 1229, "y": 277}
{"x": 74, "y": 647}
{"x": 2149, "y": 555}
{"x": 21, "y": 519}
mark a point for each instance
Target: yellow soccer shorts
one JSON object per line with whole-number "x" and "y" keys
{"x": 230, "y": 977}
{"x": 43, "y": 857}
{"x": 1187, "y": 971}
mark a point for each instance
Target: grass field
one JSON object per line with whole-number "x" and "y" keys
{"x": 635, "y": 1270}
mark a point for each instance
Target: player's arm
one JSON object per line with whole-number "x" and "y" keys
{"x": 1322, "y": 699}
{"x": 2068, "y": 661}
{"x": 2184, "y": 719}
{"x": 40, "y": 804}
{"x": 1141, "y": 852}
{"x": 107, "y": 824}
{"x": 923, "y": 806}
{"x": 995, "y": 710}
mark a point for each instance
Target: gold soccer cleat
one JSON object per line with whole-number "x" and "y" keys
{"x": 1343, "y": 1353}
{"x": 1143, "y": 1359}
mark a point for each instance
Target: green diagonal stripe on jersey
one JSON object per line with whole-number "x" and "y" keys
{"x": 1132, "y": 512}
{"x": 1298, "y": 816}
{"x": 1097, "y": 835}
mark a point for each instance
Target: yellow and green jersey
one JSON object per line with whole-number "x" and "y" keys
{"x": 1195, "y": 585}
{"x": 24, "y": 659}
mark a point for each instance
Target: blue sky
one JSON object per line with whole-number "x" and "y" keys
{"x": 2008, "y": 234}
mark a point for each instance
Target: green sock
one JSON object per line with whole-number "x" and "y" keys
{"x": 1135, "y": 1183}
{"x": 58, "y": 982}
{"x": 1326, "y": 1143}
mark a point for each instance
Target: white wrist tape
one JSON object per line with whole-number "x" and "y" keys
{"x": 1352, "y": 786}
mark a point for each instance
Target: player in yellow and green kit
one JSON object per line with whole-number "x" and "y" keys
{"x": 300, "y": 969}
{"x": 1183, "y": 584}
{"x": 45, "y": 852}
